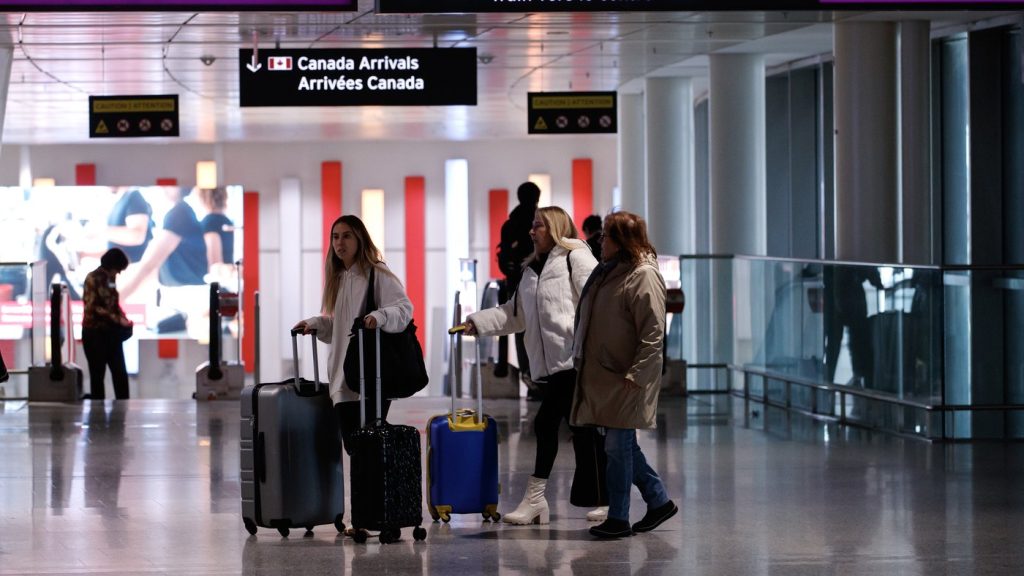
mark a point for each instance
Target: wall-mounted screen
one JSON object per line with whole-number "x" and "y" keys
{"x": 178, "y": 240}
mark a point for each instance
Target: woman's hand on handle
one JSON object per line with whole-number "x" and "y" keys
{"x": 370, "y": 321}
{"x": 301, "y": 325}
{"x": 468, "y": 327}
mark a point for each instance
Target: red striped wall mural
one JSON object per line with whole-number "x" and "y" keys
{"x": 85, "y": 174}
{"x": 166, "y": 349}
{"x": 582, "y": 190}
{"x": 330, "y": 200}
{"x": 250, "y": 273}
{"x": 416, "y": 253}
{"x": 497, "y": 213}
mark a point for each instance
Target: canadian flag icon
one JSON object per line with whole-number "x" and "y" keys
{"x": 279, "y": 63}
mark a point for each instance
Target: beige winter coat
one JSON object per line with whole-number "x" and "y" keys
{"x": 619, "y": 338}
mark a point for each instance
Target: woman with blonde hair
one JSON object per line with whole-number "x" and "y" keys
{"x": 346, "y": 279}
{"x": 620, "y": 327}
{"x": 543, "y": 307}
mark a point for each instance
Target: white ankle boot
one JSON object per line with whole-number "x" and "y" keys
{"x": 598, "y": 514}
{"x": 534, "y": 507}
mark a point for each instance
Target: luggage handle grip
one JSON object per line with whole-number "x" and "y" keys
{"x": 295, "y": 357}
{"x": 362, "y": 379}
{"x": 455, "y": 372}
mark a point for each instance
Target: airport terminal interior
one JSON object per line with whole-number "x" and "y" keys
{"x": 835, "y": 191}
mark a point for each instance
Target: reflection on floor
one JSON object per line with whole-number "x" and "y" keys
{"x": 151, "y": 486}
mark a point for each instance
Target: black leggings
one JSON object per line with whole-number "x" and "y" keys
{"x": 348, "y": 417}
{"x": 555, "y": 407}
{"x": 103, "y": 348}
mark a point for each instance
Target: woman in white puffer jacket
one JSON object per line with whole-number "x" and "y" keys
{"x": 544, "y": 307}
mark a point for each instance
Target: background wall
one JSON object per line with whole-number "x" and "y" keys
{"x": 264, "y": 167}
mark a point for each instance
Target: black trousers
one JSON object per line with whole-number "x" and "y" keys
{"x": 554, "y": 408}
{"x": 103, "y": 349}
{"x": 348, "y": 417}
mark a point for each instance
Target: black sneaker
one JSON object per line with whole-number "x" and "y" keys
{"x": 612, "y": 528}
{"x": 655, "y": 517}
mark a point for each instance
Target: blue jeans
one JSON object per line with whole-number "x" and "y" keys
{"x": 628, "y": 466}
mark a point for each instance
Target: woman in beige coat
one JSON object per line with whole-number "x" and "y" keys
{"x": 618, "y": 353}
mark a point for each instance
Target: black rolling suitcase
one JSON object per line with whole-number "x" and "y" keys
{"x": 385, "y": 471}
{"x": 291, "y": 472}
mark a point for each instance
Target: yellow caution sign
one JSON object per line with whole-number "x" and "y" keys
{"x": 561, "y": 102}
{"x": 101, "y": 128}
{"x": 540, "y": 124}
{"x": 134, "y": 105}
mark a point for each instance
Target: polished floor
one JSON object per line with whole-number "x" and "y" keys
{"x": 151, "y": 487}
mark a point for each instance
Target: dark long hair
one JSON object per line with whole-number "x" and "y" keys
{"x": 629, "y": 232}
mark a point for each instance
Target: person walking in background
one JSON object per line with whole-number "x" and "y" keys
{"x": 513, "y": 249}
{"x": 592, "y": 231}
{"x": 542, "y": 309}
{"x": 620, "y": 325}
{"x": 346, "y": 280}
{"x": 218, "y": 229}
{"x": 130, "y": 223}
{"x": 103, "y": 326}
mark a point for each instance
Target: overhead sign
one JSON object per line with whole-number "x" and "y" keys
{"x": 189, "y": 5}
{"x": 358, "y": 77}
{"x": 133, "y": 116}
{"x": 572, "y": 113}
{"x": 460, "y": 6}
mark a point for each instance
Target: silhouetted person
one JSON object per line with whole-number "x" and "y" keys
{"x": 846, "y": 306}
{"x": 513, "y": 250}
{"x": 103, "y": 322}
{"x": 592, "y": 232}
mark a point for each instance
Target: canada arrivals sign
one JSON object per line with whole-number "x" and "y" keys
{"x": 358, "y": 77}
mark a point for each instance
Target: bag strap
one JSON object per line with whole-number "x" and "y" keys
{"x": 370, "y": 303}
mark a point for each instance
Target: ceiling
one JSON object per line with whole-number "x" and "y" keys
{"x": 62, "y": 58}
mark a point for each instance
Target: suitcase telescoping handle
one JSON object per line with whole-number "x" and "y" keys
{"x": 455, "y": 370}
{"x": 295, "y": 358}
{"x": 362, "y": 378}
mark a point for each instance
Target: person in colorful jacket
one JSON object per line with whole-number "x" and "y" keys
{"x": 103, "y": 326}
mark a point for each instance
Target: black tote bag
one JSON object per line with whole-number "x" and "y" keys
{"x": 403, "y": 371}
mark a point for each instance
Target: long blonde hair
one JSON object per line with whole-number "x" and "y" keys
{"x": 559, "y": 225}
{"x": 367, "y": 255}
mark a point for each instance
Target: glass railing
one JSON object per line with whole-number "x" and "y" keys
{"x": 924, "y": 351}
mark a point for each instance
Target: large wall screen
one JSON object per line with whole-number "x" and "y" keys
{"x": 166, "y": 231}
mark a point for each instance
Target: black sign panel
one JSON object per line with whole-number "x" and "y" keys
{"x": 572, "y": 112}
{"x": 133, "y": 116}
{"x": 358, "y": 77}
{"x": 460, "y": 6}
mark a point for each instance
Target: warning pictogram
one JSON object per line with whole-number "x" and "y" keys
{"x": 540, "y": 124}
{"x": 573, "y": 112}
{"x": 133, "y": 116}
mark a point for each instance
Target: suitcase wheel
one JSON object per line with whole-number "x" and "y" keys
{"x": 339, "y": 524}
{"x": 434, "y": 514}
{"x": 309, "y": 531}
{"x": 250, "y": 526}
{"x": 419, "y": 533}
{"x": 284, "y": 531}
{"x": 360, "y": 536}
{"x": 445, "y": 517}
{"x": 389, "y": 535}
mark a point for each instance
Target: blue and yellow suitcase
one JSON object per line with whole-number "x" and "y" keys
{"x": 462, "y": 458}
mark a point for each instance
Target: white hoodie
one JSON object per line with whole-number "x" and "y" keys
{"x": 545, "y": 308}
{"x": 393, "y": 313}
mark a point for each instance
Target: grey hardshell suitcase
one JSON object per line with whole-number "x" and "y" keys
{"x": 291, "y": 471}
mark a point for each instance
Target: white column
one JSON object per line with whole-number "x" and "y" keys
{"x": 867, "y": 180}
{"x": 6, "y": 59}
{"x": 737, "y": 154}
{"x": 916, "y": 211}
{"x": 632, "y": 160}
{"x": 669, "y": 120}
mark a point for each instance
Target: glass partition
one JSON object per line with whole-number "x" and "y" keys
{"x": 924, "y": 351}
{"x": 24, "y": 299}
